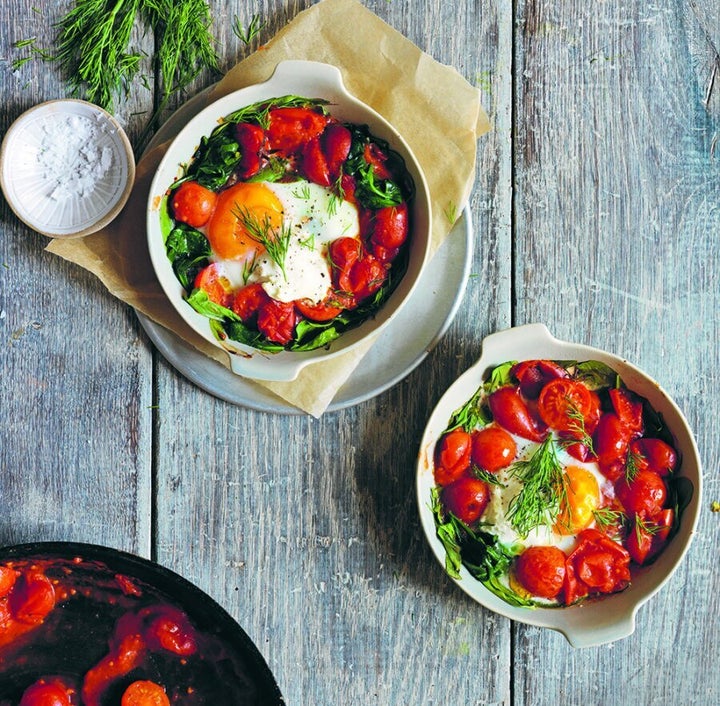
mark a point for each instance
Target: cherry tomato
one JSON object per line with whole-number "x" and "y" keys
{"x": 336, "y": 142}
{"x": 277, "y": 320}
{"x": 644, "y": 495}
{"x": 291, "y": 128}
{"x": 46, "y": 693}
{"x": 326, "y": 310}
{"x": 247, "y": 301}
{"x": 596, "y": 565}
{"x": 251, "y": 139}
{"x": 144, "y": 693}
{"x": 377, "y": 159}
{"x": 390, "y": 231}
{"x": 366, "y": 277}
{"x": 647, "y": 538}
{"x": 171, "y": 631}
{"x": 314, "y": 164}
{"x": 610, "y": 440}
{"x": 452, "y": 456}
{"x": 541, "y": 571}
{"x": 193, "y": 204}
{"x": 654, "y": 455}
{"x": 510, "y": 412}
{"x": 32, "y": 598}
{"x": 344, "y": 253}
{"x": 214, "y": 283}
{"x": 628, "y": 407}
{"x": 533, "y": 375}
{"x": 493, "y": 448}
{"x": 466, "y": 498}
{"x": 561, "y": 400}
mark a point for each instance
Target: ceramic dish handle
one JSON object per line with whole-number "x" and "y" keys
{"x": 307, "y": 76}
{"x": 617, "y": 627}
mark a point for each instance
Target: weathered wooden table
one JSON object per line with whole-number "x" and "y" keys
{"x": 596, "y": 211}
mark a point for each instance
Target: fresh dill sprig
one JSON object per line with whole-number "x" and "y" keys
{"x": 92, "y": 49}
{"x": 302, "y": 193}
{"x": 308, "y": 242}
{"x": 577, "y": 427}
{"x": 487, "y": 477}
{"x": 606, "y": 518}
{"x": 246, "y": 36}
{"x": 631, "y": 467}
{"x": 450, "y": 212}
{"x": 275, "y": 241}
{"x": 544, "y": 489}
{"x": 248, "y": 268}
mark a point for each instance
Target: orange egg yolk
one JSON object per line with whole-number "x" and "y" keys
{"x": 580, "y": 501}
{"x": 236, "y": 206}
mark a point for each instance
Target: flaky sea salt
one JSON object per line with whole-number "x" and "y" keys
{"x": 71, "y": 162}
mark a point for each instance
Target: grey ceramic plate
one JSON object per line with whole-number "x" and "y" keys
{"x": 397, "y": 352}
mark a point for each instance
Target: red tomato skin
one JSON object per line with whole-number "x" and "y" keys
{"x": 291, "y": 128}
{"x": 366, "y": 277}
{"x": 344, "y": 253}
{"x": 466, "y": 498}
{"x": 610, "y": 442}
{"x": 643, "y": 496}
{"x": 541, "y": 571}
{"x": 533, "y": 375}
{"x": 247, "y": 301}
{"x": 390, "y": 231}
{"x": 493, "y": 448}
{"x": 251, "y": 139}
{"x": 314, "y": 164}
{"x": 211, "y": 280}
{"x": 596, "y": 565}
{"x": 46, "y": 693}
{"x": 277, "y": 320}
{"x": 377, "y": 159}
{"x": 193, "y": 204}
{"x": 32, "y": 598}
{"x": 628, "y": 407}
{"x": 171, "y": 631}
{"x": 325, "y": 310}
{"x": 654, "y": 455}
{"x": 510, "y": 412}
{"x": 336, "y": 142}
{"x": 559, "y": 398}
{"x": 452, "y": 456}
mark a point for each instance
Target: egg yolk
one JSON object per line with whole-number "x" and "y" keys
{"x": 235, "y": 206}
{"x": 580, "y": 501}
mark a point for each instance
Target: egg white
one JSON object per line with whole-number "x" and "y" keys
{"x": 315, "y": 217}
{"x": 495, "y": 513}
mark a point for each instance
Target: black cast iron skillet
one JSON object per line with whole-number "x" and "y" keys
{"x": 74, "y": 637}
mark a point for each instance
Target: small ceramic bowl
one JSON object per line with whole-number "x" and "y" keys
{"x": 610, "y": 617}
{"x": 311, "y": 80}
{"x": 66, "y": 168}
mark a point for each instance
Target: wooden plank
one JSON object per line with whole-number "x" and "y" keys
{"x": 307, "y": 530}
{"x": 616, "y": 239}
{"x": 76, "y": 393}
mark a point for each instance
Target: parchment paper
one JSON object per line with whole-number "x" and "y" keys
{"x": 438, "y": 113}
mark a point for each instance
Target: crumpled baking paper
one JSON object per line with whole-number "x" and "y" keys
{"x": 432, "y": 106}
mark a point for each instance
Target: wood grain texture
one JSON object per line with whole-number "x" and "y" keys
{"x": 76, "y": 437}
{"x": 596, "y": 211}
{"x": 617, "y": 203}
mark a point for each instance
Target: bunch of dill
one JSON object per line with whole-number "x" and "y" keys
{"x": 93, "y": 46}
